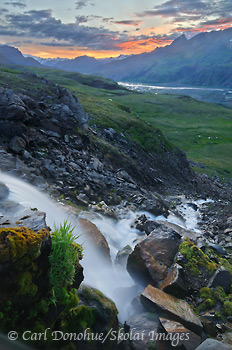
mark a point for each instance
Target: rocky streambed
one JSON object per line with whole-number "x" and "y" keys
{"x": 167, "y": 274}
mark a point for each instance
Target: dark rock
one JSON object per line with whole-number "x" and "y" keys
{"x": 179, "y": 335}
{"x": 151, "y": 258}
{"x": 17, "y": 145}
{"x": 143, "y": 329}
{"x": 173, "y": 284}
{"x": 212, "y": 344}
{"x": 104, "y": 312}
{"x": 221, "y": 278}
{"x": 155, "y": 206}
{"x": 172, "y": 307}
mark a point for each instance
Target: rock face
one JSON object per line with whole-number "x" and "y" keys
{"x": 151, "y": 258}
{"x": 176, "y": 309}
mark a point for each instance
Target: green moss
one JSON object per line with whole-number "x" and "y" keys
{"x": 78, "y": 319}
{"x": 206, "y": 305}
{"x": 228, "y": 308}
{"x": 196, "y": 259}
{"x": 20, "y": 242}
{"x": 26, "y": 287}
{"x": 206, "y": 293}
{"x": 220, "y": 294}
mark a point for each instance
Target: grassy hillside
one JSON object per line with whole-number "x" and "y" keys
{"x": 202, "y": 130}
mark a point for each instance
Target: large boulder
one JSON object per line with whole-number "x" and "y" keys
{"x": 172, "y": 307}
{"x": 100, "y": 316}
{"x": 151, "y": 258}
{"x": 92, "y": 232}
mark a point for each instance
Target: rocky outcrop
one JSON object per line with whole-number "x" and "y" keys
{"x": 151, "y": 258}
{"x": 176, "y": 309}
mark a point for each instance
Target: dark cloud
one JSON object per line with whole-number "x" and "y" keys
{"x": 80, "y": 4}
{"x": 41, "y": 24}
{"x": 82, "y": 19}
{"x": 180, "y": 11}
{"x": 54, "y": 43}
{"x": 128, "y": 23}
{"x": 2, "y": 11}
{"x": 16, "y": 4}
{"x": 107, "y": 19}
{"x": 180, "y": 8}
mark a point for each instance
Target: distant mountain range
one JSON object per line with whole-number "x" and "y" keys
{"x": 204, "y": 60}
{"x": 10, "y": 55}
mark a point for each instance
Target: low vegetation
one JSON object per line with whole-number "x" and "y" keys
{"x": 201, "y": 129}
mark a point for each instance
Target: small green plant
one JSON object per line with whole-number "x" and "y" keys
{"x": 64, "y": 258}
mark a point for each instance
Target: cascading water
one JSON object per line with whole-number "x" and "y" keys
{"x": 113, "y": 281}
{"x": 97, "y": 273}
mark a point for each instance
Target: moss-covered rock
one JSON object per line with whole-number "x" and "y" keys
{"x": 20, "y": 242}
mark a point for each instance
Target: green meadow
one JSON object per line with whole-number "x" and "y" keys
{"x": 203, "y": 130}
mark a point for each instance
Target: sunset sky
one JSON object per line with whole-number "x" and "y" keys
{"x": 104, "y": 28}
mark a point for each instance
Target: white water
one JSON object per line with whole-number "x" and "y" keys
{"x": 116, "y": 283}
{"x": 97, "y": 273}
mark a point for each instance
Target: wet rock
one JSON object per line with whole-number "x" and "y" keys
{"x": 143, "y": 329}
{"x": 91, "y": 231}
{"x": 180, "y": 335}
{"x": 175, "y": 308}
{"x": 221, "y": 278}
{"x": 122, "y": 256}
{"x": 103, "y": 312}
{"x": 208, "y": 319}
{"x": 155, "y": 206}
{"x": 184, "y": 233}
{"x": 173, "y": 284}
{"x": 17, "y": 145}
{"x": 151, "y": 258}
{"x": 212, "y": 344}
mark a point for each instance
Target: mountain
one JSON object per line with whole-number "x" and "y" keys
{"x": 81, "y": 64}
{"x": 204, "y": 60}
{"x": 11, "y": 55}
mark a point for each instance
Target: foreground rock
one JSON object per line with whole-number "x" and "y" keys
{"x": 212, "y": 344}
{"x": 151, "y": 258}
{"x": 180, "y": 335}
{"x": 175, "y": 308}
{"x": 102, "y": 317}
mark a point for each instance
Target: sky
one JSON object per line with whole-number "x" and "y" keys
{"x": 105, "y": 28}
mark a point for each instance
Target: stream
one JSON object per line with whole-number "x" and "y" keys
{"x": 114, "y": 281}
{"x": 220, "y": 96}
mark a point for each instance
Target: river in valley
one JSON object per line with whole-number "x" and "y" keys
{"x": 220, "y": 96}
